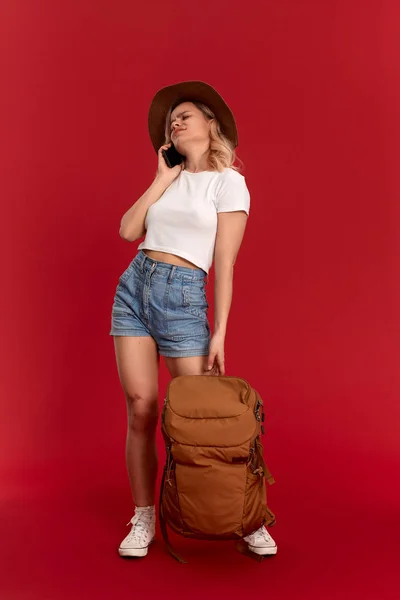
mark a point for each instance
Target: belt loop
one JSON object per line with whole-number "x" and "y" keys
{"x": 171, "y": 274}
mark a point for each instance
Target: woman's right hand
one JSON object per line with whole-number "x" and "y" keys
{"x": 164, "y": 173}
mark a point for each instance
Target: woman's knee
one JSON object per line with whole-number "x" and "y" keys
{"x": 142, "y": 412}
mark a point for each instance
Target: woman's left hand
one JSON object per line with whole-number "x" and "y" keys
{"x": 216, "y": 356}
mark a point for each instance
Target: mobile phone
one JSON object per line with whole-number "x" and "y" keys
{"x": 172, "y": 156}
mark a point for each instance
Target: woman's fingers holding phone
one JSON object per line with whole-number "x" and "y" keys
{"x": 161, "y": 159}
{"x": 160, "y": 152}
{"x": 164, "y": 147}
{"x": 164, "y": 170}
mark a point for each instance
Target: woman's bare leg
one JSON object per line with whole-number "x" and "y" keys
{"x": 188, "y": 365}
{"x": 137, "y": 363}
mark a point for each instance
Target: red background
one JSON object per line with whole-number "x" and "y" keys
{"x": 314, "y": 324}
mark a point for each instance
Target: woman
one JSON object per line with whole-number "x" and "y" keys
{"x": 192, "y": 215}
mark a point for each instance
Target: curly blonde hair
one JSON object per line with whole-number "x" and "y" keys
{"x": 222, "y": 154}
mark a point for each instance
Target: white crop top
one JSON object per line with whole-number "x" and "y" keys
{"x": 184, "y": 219}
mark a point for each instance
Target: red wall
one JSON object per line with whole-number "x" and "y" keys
{"x": 315, "y": 322}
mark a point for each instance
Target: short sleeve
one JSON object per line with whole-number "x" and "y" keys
{"x": 232, "y": 193}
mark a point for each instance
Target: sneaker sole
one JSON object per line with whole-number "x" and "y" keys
{"x": 264, "y": 551}
{"x": 133, "y": 552}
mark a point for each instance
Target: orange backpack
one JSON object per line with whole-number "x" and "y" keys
{"x": 213, "y": 485}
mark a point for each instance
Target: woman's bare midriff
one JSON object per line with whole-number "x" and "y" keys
{"x": 172, "y": 259}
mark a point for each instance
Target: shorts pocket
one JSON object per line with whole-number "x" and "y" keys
{"x": 128, "y": 287}
{"x": 125, "y": 275}
{"x": 194, "y": 299}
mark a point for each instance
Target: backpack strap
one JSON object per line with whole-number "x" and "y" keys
{"x": 163, "y": 524}
{"x": 268, "y": 476}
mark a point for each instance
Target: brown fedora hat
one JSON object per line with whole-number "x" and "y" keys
{"x": 189, "y": 91}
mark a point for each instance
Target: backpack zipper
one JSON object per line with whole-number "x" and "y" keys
{"x": 257, "y": 410}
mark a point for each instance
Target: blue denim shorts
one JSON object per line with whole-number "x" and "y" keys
{"x": 164, "y": 301}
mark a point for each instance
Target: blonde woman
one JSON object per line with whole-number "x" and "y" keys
{"x": 193, "y": 215}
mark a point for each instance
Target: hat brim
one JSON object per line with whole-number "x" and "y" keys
{"x": 196, "y": 91}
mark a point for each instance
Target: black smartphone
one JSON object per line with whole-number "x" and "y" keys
{"x": 172, "y": 156}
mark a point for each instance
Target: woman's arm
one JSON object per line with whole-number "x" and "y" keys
{"x": 132, "y": 223}
{"x": 230, "y": 232}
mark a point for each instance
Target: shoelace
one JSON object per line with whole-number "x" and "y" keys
{"x": 140, "y": 528}
{"x": 266, "y": 535}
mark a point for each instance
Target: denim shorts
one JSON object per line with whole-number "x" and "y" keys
{"x": 164, "y": 301}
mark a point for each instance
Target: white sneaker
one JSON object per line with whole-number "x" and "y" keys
{"x": 141, "y": 534}
{"x": 260, "y": 542}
